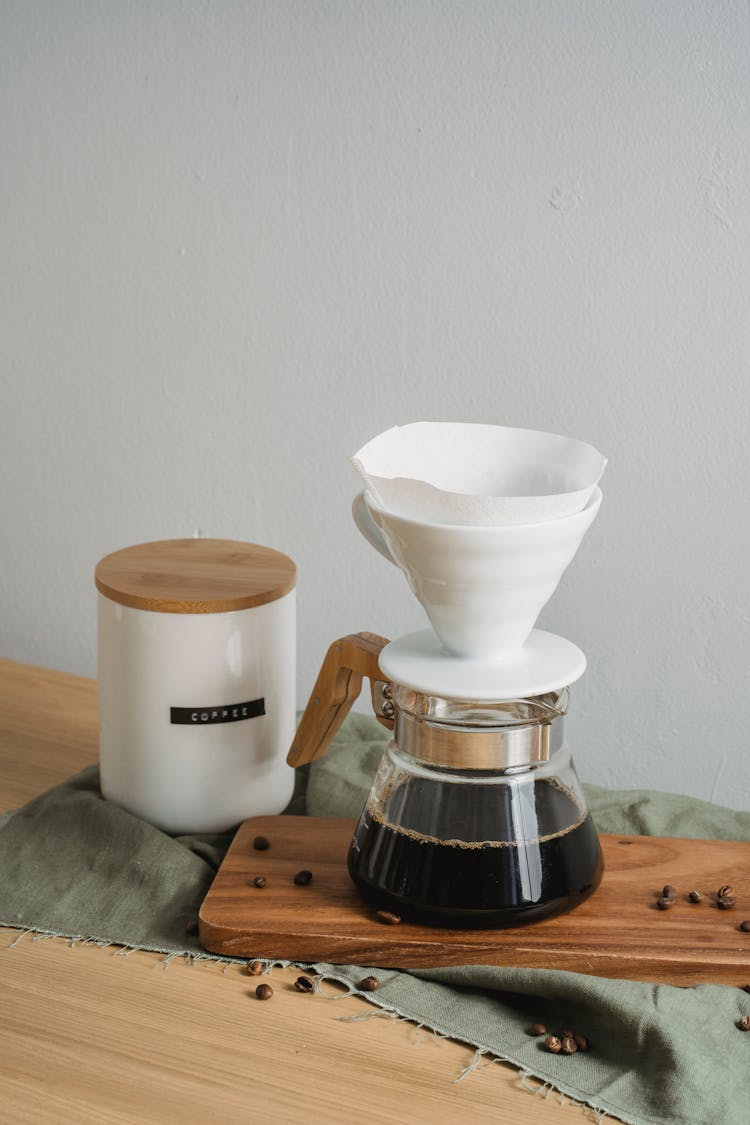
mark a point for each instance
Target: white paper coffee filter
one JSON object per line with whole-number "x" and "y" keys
{"x": 460, "y": 473}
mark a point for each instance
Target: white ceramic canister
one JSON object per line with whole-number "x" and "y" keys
{"x": 196, "y": 681}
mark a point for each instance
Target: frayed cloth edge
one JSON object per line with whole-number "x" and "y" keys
{"x": 482, "y": 1052}
{"x": 124, "y": 949}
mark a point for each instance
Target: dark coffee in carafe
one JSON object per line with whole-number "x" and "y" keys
{"x": 476, "y": 855}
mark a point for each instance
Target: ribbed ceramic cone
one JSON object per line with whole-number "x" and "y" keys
{"x": 483, "y": 588}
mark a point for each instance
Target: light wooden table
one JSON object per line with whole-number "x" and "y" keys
{"x": 90, "y": 1036}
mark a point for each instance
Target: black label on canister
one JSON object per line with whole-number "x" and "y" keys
{"x": 227, "y": 713}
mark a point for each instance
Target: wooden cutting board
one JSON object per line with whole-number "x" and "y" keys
{"x": 618, "y": 932}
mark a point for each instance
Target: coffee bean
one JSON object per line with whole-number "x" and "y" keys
{"x": 553, "y": 1044}
{"x": 665, "y": 903}
{"x": 259, "y": 881}
{"x": 192, "y": 927}
{"x": 255, "y": 968}
{"x": 304, "y": 984}
{"x": 568, "y": 1045}
{"x": 264, "y": 992}
{"x": 567, "y": 1033}
{"x": 582, "y": 1042}
{"x": 745, "y": 927}
{"x": 695, "y": 896}
{"x": 743, "y": 1023}
{"x": 669, "y": 891}
{"x": 727, "y": 891}
{"x": 369, "y": 984}
{"x": 261, "y": 844}
{"x": 388, "y": 918}
{"x": 537, "y": 1029}
{"x": 302, "y": 878}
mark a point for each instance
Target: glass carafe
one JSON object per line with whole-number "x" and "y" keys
{"x": 476, "y": 817}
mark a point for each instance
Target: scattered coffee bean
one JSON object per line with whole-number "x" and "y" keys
{"x": 743, "y": 1023}
{"x": 727, "y": 891}
{"x": 264, "y": 992}
{"x": 255, "y": 968}
{"x": 259, "y": 881}
{"x": 568, "y": 1045}
{"x": 192, "y": 927}
{"x": 567, "y": 1033}
{"x": 304, "y": 984}
{"x": 302, "y": 878}
{"x": 745, "y": 927}
{"x": 582, "y": 1042}
{"x": 537, "y": 1029}
{"x": 695, "y": 896}
{"x": 665, "y": 903}
{"x": 388, "y": 918}
{"x": 369, "y": 984}
{"x": 553, "y": 1044}
{"x": 669, "y": 891}
{"x": 726, "y": 902}
{"x": 261, "y": 844}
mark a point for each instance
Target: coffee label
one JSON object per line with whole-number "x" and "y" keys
{"x": 227, "y": 713}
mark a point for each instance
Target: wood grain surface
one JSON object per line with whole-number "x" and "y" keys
{"x": 618, "y": 932}
{"x": 93, "y": 1036}
{"x": 195, "y": 575}
{"x": 90, "y": 1036}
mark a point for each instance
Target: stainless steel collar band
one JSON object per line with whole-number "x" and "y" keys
{"x": 477, "y": 748}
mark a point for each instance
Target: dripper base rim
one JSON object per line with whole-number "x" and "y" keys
{"x": 546, "y": 662}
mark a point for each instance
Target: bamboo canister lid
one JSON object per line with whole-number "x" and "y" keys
{"x": 195, "y": 576}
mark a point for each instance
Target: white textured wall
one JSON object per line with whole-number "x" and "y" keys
{"x": 237, "y": 239}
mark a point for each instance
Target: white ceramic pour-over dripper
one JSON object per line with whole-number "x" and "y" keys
{"x": 482, "y": 587}
{"x": 478, "y": 475}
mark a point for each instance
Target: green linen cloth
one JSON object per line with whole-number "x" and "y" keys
{"x": 76, "y": 865}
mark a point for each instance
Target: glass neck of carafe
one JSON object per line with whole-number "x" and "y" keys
{"x": 505, "y": 736}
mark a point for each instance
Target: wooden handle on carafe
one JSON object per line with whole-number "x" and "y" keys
{"x": 339, "y": 683}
